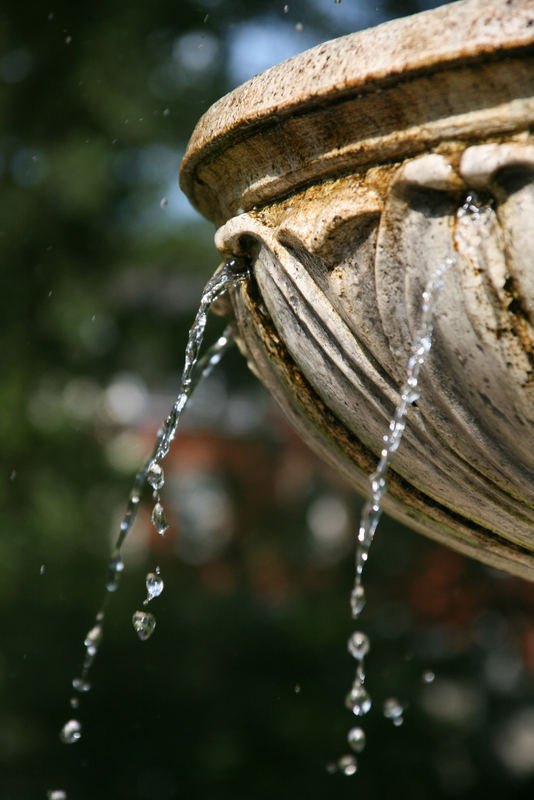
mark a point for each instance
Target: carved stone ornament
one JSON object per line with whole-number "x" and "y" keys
{"x": 348, "y": 174}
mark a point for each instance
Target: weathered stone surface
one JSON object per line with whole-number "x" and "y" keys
{"x": 349, "y": 174}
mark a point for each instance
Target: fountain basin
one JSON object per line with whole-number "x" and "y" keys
{"x": 348, "y": 174}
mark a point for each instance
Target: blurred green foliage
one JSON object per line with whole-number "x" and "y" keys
{"x": 240, "y": 692}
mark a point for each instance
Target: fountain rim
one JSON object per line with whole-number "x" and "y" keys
{"x": 358, "y": 64}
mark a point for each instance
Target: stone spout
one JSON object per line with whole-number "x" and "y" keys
{"x": 347, "y": 175}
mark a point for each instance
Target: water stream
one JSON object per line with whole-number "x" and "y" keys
{"x": 231, "y": 273}
{"x": 358, "y": 699}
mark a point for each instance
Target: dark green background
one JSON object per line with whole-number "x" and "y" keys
{"x": 239, "y": 694}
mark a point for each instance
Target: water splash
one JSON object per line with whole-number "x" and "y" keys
{"x": 233, "y": 272}
{"x": 358, "y": 699}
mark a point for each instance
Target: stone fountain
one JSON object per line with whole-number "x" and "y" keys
{"x": 347, "y": 175}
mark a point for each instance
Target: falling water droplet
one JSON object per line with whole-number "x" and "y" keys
{"x": 42, "y": 569}
{"x": 81, "y": 685}
{"x": 347, "y": 765}
{"x": 163, "y": 202}
{"x": 158, "y": 519}
{"x": 56, "y": 794}
{"x": 378, "y": 485}
{"x": 411, "y": 393}
{"x": 358, "y": 701}
{"x": 356, "y": 739}
{"x": 155, "y": 476}
{"x": 357, "y": 600}
{"x": 74, "y": 702}
{"x": 144, "y": 624}
{"x": 393, "y": 710}
{"x": 115, "y": 570}
{"x": 93, "y": 639}
{"x": 154, "y": 585}
{"x": 358, "y": 645}
{"x": 428, "y": 676}
{"x": 94, "y": 636}
{"x": 71, "y": 731}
